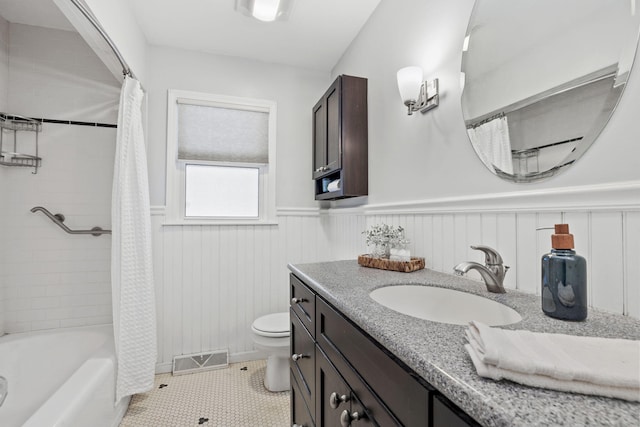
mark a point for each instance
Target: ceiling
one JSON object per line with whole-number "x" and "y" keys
{"x": 315, "y": 36}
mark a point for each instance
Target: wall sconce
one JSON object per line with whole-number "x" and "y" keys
{"x": 416, "y": 93}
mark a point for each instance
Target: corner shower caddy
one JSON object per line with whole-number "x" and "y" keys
{"x": 12, "y": 157}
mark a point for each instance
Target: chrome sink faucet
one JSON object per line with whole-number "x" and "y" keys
{"x": 492, "y": 273}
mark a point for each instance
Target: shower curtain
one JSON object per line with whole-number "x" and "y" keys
{"x": 134, "y": 316}
{"x": 492, "y": 143}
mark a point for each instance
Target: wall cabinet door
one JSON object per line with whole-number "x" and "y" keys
{"x": 326, "y": 132}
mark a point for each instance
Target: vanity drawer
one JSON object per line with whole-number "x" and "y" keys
{"x": 408, "y": 399}
{"x": 302, "y": 361}
{"x": 303, "y": 303}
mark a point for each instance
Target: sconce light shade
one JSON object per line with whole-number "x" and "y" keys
{"x": 409, "y": 81}
{"x": 416, "y": 93}
{"x": 265, "y": 10}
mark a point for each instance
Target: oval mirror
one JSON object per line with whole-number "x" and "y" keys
{"x": 541, "y": 79}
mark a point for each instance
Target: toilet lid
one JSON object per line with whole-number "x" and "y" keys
{"x": 272, "y": 325}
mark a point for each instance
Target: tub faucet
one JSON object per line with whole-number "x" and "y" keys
{"x": 492, "y": 273}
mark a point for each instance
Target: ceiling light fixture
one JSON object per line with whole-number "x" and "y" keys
{"x": 265, "y": 10}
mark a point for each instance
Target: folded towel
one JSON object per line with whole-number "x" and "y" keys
{"x": 334, "y": 185}
{"x": 587, "y": 365}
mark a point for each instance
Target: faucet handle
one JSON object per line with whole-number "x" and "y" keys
{"x": 491, "y": 256}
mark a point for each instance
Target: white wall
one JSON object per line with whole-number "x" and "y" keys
{"x": 425, "y": 156}
{"x": 424, "y": 171}
{"x": 53, "y": 279}
{"x": 213, "y": 281}
{"x": 294, "y": 89}
{"x": 118, "y": 21}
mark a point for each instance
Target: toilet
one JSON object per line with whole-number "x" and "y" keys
{"x": 271, "y": 335}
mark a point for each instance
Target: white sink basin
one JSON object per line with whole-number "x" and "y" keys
{"x": 444, "y": 305}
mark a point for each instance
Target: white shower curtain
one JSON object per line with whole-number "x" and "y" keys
{"x": 134, "y": 315}
{"x": 491, "y": 142}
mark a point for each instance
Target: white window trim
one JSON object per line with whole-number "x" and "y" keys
{"x": 175, "y": 183}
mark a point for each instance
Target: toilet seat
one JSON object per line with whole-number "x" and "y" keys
{"x": 274, "y": 325}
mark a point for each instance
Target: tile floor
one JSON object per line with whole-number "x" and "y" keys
{"x": 227, "y": 397}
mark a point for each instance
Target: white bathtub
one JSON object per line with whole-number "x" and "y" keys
{"x": 64, "y": 377}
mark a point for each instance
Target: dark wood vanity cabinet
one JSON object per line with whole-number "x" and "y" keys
{"x": 342, "y": 377}
{"x": 340, "y": 139}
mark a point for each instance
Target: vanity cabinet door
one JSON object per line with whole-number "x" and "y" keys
{"x": 337, "y": 404}
{"x": 445, "y": 414}
{"x": 371, "y": 371}
{"x": 333, "y": 395}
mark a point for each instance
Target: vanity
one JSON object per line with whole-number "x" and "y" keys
{"x": 357, "y": 362}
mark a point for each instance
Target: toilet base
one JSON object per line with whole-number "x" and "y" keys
{"x": 276, "y": 377}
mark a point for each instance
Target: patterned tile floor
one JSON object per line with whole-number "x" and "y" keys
{"x": 229, "y": 397}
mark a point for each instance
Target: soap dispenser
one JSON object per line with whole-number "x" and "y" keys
{"x": 564, "y": 278}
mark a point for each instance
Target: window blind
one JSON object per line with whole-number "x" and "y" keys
{"x": 215, "y": 133}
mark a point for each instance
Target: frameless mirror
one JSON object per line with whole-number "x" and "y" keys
{"x": 541, "y": 78}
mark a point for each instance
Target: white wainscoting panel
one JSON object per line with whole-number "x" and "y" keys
{"x": 609, "y": 240}
{"x": 213, "y": 281}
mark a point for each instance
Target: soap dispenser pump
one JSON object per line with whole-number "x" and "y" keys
{"x": 564, "y": 278}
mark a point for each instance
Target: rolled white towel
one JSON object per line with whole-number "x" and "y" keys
{"x": 334, "y": 185}
{"x": 587, "y": 365}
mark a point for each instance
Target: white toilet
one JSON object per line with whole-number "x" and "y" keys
{"x": 271, "y": 335}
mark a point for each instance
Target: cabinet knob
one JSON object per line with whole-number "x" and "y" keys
{"x": 346, "y": 417}
{"x": 335, "y": 399}
{"x": 297, "y": 300}
{"x": 296, "y": 357}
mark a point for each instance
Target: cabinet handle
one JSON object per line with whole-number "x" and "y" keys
{"x": 346, "y": 417}
{"x": 298, "y": 425}
{"x": 335, "y": 400}
{"x": 297, "y": 300}
{"x": 296, "y": 357}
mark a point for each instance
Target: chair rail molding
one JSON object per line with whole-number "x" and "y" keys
{"x": 618, "y": 196}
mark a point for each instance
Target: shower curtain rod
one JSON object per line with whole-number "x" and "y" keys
{"x": 126, "y": 71}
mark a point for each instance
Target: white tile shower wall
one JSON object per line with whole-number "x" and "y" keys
{"x": 53, "y": 279}
{"x": 213, "y": 281}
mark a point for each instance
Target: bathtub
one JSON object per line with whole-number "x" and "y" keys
{"x": 63, "y": 377}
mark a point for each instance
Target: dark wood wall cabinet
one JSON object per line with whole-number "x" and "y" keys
{"x": 341, "y": 377}
{"x": 340, "y": 138}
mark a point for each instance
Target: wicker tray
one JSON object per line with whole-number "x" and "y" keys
{"x": 387, "y": 264}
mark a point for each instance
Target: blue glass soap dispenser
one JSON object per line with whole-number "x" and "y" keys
{"x": 564, "y": 278}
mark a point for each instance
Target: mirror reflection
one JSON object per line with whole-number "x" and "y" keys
{"x": 541, "y": 79}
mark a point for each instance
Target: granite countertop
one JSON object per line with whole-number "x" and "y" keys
{"x": 435, "y": 350}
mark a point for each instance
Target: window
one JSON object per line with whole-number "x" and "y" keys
{"x": 220, "y": 159}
